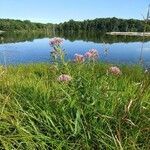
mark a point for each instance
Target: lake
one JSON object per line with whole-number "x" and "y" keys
{"x": 20, "y": 48}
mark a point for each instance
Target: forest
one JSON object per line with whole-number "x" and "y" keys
{"x": 99, "y": 24}
{"x": 105, "y": 25}
{"x": 26, "y": 25}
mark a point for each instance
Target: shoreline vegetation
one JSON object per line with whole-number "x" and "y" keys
{"x": 129, "y": 33}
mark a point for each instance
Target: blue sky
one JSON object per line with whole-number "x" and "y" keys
{"x": 56, "y": 11}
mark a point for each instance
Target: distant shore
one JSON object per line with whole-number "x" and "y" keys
{"x": 129, "y": 33}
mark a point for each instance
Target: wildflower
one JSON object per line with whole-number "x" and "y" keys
{"x": 88, "y": 54}
{"x": 91, "y": 54}
{"x": 79, "y": 58}
{"x": 64, "y": 78}
{"x": 56, "y": 41}
{"x": 115, "y": 70}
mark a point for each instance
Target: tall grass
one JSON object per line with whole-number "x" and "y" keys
{"x": 96, "y": 110}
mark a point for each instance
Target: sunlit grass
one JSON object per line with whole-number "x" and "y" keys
{"x": 96, "y": 110}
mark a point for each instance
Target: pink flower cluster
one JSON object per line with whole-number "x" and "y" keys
{"x": 115, "y": 71}
{"x": 79, "y": 58}
{"x": 56, "y": 41}
{"x": 64, "y": 78}
{"x": 91, "y": 54}
{"x": 67, "y": 78}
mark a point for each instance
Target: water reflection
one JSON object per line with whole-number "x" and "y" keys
{"x": 34, "y": 47}
{"x": 14, "y": 37}
{"x": 98, "y": 37}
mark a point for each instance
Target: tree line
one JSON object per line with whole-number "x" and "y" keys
{"x": 104, "y": 25}
{"x": 99, "y": 24}
{"x": 18, "y": 25}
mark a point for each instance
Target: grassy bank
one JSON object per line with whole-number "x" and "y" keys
{"x": 96, "y": 110}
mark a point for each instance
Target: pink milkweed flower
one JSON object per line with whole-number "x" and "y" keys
{"x": 79, "y": 58}
{"x": 94, "y": 53}
{"x": 91, "y": 54}
{"x": 88, "y": 54}
{"x": 55, "y": 41}
{"x": 64, "y": 78}
{"x": 115, "y": 70}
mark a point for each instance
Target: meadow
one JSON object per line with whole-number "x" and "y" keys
{"x": 74, "y": 105}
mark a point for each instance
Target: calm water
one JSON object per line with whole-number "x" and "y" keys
{"x": 26, "y": 48}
